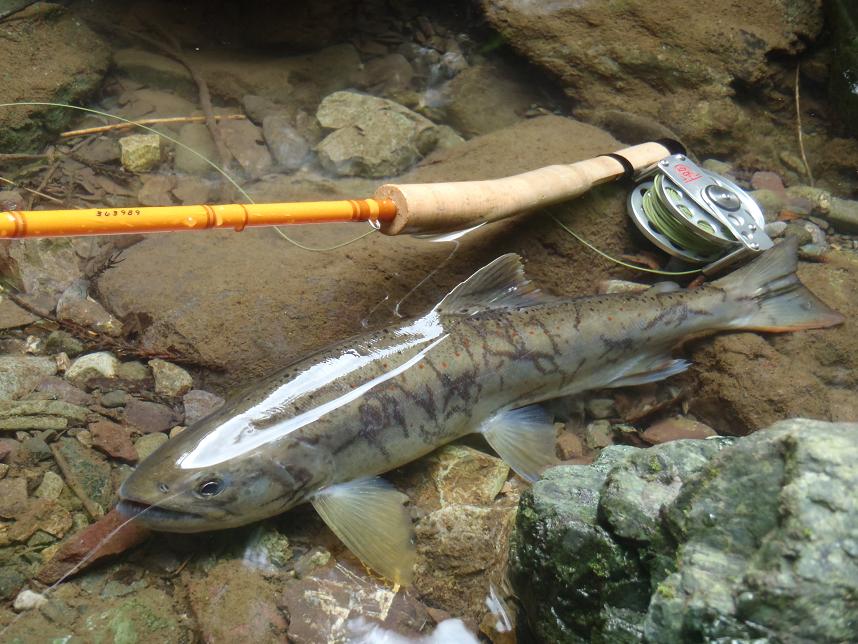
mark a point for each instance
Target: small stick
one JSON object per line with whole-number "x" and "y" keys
{"x": 798, "y": 124}
{"x": 42, "y": 185}
{"x": 41, "y": 194}
{"x": 94, "y": 510}
{"x": 158, "y": 121}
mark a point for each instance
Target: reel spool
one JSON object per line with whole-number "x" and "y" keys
{"x": 697, "y": 216}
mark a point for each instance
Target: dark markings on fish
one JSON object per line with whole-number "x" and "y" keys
{"x": 616, "y": 345}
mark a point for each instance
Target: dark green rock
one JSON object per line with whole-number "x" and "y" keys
{"x": 843, "y": 18}
{"x": 769, "y": 541}
{"x": 563, "y": 563}
{"x": 697, "y": 541}
{"x": 89, "y": 469}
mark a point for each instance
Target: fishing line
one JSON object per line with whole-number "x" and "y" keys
{"x": 211, "y": 163}
{"x": 619, "y": 261}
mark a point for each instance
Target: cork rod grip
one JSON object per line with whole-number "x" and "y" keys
{"x": 439, "y": 207}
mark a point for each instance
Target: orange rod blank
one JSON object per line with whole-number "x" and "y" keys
{"x": 114, "y": 221}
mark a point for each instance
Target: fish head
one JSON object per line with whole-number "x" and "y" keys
{"x": 183, "y": 488}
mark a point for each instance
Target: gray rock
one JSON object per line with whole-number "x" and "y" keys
{"x": 289, "y": 148}
{"x": 258, "y": 107}
{"x": 148, "y": 443}
{"x": 101, "y": 364}
{"x": 34, "y": 450}
{"x": 134, "y": 371}
{"x": 770, "y": 202}
{"x": 87, "y": 469}
{"x": 76, "y": 306}
{"x": 149, "y": 417}
{"x": 843, "y": 215}
{"x": 55, "y": 388}
{"x": 19, "y": 375}
{"x": 62, "y": 342}
{"x": 598, "y": 434}
{"x": 246, "y": 143}
{"x": 448, "y": 138}
{"x": 74, "y": 413}
{"x": 199, "y": 404}
{"x": 708, "y": 540}
{"x": 51, "y": 486}
{"x": 170, "y": 380}
{"x": 195, "y": 136}
{"x": 374, "y": 137}
{"x": 386, "y": 73}
{"x": 116, "y": 398}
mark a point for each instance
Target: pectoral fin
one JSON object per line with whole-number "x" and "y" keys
{"x": 524, "y": 438}
{"x": 369, "y": 517}
{"x": 652, "y": 372}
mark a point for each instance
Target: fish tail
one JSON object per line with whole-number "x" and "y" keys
{"x": 779, "y": 302}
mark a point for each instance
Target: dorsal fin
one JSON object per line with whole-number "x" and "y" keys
{"x": 501, "y": 284}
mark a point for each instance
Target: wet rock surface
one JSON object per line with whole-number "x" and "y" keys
{"x": 695, "y": 540}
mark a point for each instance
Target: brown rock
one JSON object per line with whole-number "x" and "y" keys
{"x": 199, "y": 404}
{"x": 671, "y": 429}
{"x": 59, "y": 389}
{"x": 8, "y": 448}
{"x": 232, "y": 601}
{"x": 113, "y": 440}
{"x": 13, "y": 495}
{"x": 569, "y": 446}
{"x": 149, "y": 417}
{"x": 767, "y": 181}
{"x": 92, "y": 543}
{"x": 325, "y": 607}
{"x": 40, "y": 514}
{"x": 462, "y": 551}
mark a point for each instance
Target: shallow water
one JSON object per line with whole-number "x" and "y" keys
{"x": 232, "y": 307}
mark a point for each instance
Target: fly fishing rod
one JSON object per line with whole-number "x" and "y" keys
{"x": 692, "y": 214}
{"x": 395, "y": 208}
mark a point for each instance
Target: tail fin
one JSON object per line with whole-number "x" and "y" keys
{"x": 783, "y": 303}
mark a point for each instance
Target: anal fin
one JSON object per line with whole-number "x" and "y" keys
{"x": 524, "y": 438}
{"x": 370, "y": 518}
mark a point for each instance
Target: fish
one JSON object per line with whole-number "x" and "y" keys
{"x": 324, "y": 429}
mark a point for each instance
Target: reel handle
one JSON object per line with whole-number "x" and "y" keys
{"x": 442, "y": 207}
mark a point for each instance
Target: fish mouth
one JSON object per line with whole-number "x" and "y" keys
{"x": 149, "y": 514}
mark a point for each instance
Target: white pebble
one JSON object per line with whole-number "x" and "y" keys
{"x": 28, "y": 600}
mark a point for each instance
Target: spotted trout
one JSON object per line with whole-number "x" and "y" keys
{"x": 324, "y": 428}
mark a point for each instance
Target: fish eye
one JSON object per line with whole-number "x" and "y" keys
{"x": 210, "y": 487}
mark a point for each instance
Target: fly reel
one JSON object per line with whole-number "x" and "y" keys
{"x": 697, "y": 216}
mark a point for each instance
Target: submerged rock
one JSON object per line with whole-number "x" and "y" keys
{"x": 697, "y": 540}
{"x": 373, "y": 137}
{"x": 19, "y": 375}
{"x": 101, "y": 364}
{"x": 140, "y": 152}
{"x": 170, "y": 380}
{"x": 199, "y": 404}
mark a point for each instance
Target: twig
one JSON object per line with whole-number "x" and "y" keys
{"x": 41, "y": 194}
{"x": 798, "y": 124}
{"x": 23, "y": 157}
{"x": 158, "y": 121}
{"x": 42, "y": 184}
{"x": 93, "y": 509}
